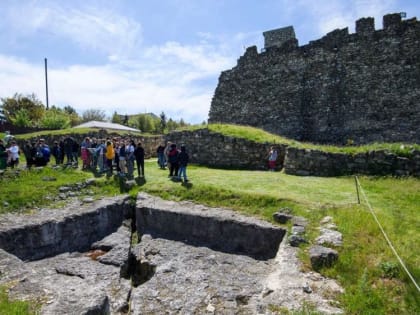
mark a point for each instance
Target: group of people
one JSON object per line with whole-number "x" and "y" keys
{"x": 36, "y": 153}
{"x": 175, "y": 159}
{"x": 103, "y": 155}
{"x": 9, "y": 154}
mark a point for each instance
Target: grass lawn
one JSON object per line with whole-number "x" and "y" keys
{"x": 373, "y": 281}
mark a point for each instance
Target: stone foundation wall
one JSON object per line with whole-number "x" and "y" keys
{"x": 52, "y": 232}
{"x": 306, "y": 162}
{"x": 216, "y": 228}
{"x": 216, "y": 150}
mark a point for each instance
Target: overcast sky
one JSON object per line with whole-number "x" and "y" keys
{"x": 152, "y": 56}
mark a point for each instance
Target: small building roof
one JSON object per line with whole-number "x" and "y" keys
{"x": 105, "y": 125}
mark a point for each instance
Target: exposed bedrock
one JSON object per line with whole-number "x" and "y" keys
{"x": 150, "y": 257}
{"x": 54, "y": 231}
{"x": 216, "y": 228}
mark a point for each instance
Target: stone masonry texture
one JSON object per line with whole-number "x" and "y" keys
{"x": 362, "y": 87}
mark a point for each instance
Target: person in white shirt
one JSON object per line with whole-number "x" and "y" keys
{"x": 14, "y": 154}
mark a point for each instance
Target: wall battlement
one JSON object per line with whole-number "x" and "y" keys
{"x": 363, "y": 86}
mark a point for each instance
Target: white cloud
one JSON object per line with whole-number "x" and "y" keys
{"x": 91, "y": 28}
{"x": 167, "y": 78}
{"x": 328, "y": 15}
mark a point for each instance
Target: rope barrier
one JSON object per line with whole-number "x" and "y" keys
{"x": 386, "y": 236}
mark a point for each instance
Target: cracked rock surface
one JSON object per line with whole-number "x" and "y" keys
{"x": 161, "y": 275}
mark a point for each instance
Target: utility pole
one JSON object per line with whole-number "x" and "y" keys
{"x": 46, "y": 80}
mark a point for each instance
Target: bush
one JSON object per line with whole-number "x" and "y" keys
{"x": 22, "y": 118}
{"x": 54, "y": 119}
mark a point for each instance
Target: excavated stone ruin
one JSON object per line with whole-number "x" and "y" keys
{"x": 151, "y": 256}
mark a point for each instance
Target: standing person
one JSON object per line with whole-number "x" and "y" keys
{"x": 139, "y": 154}
{"x": 122, "y": 157}
{"x": 117, "y": 156}
{"x": 14, "y": 154}
{"x": 272, "y": 158}
{"x": 43, "y": 153}
{"x": 183, "y": 159}
{"x": 75, "y": 152}
{"x": 130, "y": 157}
{"x": 161, "y": 155}
{"x": 110, "y": 155}
{"x": 94, "y": 157}
{"x": 68, "y": 149}
{"x": 27, "y": 151}
{"x": 173, "y": 160}
{"x": 100, "y": 154}
{"x": 85, "y": 154}
{"x": 61, "y": 146}
{"x": 3, "y": 156}
{"x": 166, "y": 153}
{"x": 56, "y": 153}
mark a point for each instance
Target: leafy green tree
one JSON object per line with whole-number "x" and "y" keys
{"x": 116, "y": 119}
{"x": 125, "y": 120}
{"x": 93, "y": 114}
{"x": 182, "y": 123}
{"x": 55, "y": 119}
{"x": 162, "y": 122}
{"x": 21, "y": 118}
{"x": 72, "y": 114}
{"x": 171, "y": 125}
{"x": 12, "y": 105}
{"x": 146, "y": 123}
{"x": 69, "y": 110}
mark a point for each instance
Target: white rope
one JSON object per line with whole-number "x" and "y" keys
{"x": 386, "y": 237}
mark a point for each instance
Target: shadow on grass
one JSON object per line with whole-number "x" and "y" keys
{"x": 140, "y": 181}
{"x": 187, "y": 185}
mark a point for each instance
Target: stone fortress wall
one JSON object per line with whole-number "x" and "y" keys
{"x": 363, "y": 87}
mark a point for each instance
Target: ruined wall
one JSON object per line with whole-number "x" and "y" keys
{"x": 363, "y": 86}
{"x": 304, "y": 162}
{"x": 217, "y": 150}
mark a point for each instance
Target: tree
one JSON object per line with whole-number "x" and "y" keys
{"x": 172, "y": 124}
{"x": 146, "y": 123}
{"x": 21, "y": 118}
{"x": 55, "y": 118}
{"x": 33, "y": 107}
{"x": 182, "y": 123}
{"x": 116, "y": 119}
{"x": 93, "y": 114}
{"x": 69, "y": 110}
{"x": 125, "y": 120}
{"x": 162, "y": 122}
